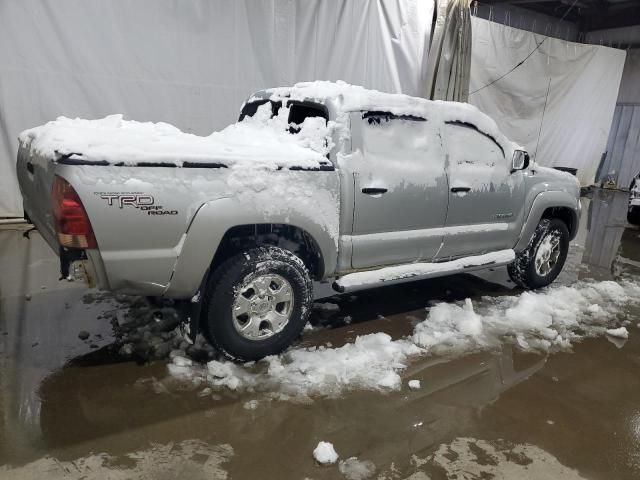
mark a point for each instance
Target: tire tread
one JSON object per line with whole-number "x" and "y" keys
{"x": 226, "y": 275}
{"x": 521, "y": 271}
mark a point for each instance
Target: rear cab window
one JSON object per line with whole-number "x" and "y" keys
{"x": 299, "y": 111}
{"x": 403, "y": 146}
{"x": 250, "y": 108}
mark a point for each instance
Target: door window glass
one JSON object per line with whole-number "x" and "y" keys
{"x": 403, "y": 147}
{"x": 475, "y": 160}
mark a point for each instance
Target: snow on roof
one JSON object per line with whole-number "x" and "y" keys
{"x": 259, "y": 140}
{"x": 350, "y": 98}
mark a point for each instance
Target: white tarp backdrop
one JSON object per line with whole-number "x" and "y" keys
{"x": 193, "y": 63}
{"x": 582, "y": 81}
{"x": 449, "y": 58}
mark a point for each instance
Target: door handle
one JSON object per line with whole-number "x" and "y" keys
{"x": 30, "y": 167}
{"x": 374, "y": 191}
{"x": 460, "y": 189}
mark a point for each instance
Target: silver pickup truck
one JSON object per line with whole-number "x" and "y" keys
{"x": 320, "y": 181}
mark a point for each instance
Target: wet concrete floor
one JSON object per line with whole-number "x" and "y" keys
{"x": 74, "y": 408}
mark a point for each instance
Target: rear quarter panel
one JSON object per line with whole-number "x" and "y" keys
{"x": 139, "y": 216}
{"x": 309, "y": 200}
{"x": 158, "y": 228}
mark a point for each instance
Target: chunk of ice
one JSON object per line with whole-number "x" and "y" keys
{"x": 621, "y": 332}
{"x": 325, "y": 454}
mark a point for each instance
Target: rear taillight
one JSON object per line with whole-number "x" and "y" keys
{"x": 72, "y": 223}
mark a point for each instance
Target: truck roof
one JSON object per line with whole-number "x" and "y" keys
{"x": 345, "y": 97}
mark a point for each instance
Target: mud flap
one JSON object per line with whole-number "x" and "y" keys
{"x": 191, "y": 312}
{"x": 190, "y": 318}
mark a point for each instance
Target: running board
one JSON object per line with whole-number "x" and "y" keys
{"x": 419, "y": 271}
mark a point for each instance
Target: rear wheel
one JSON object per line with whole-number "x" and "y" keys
{"x": 633, "y": 215}
{"x": 542, "y": 261}
{"x": 257, "y": 303}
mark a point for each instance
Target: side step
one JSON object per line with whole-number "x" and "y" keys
{"x": 419, "y": 271}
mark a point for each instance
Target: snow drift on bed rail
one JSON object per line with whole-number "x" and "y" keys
{"x": 258, "y": 140}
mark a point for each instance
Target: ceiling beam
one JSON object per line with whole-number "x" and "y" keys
{"x": 517, "y": 2}
{"x": 615, "y": 16}
{"x": 589, "y": 15}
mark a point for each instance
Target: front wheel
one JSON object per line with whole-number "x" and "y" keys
{"x": 542, "y": 261}
{"x": 257, "y": 303}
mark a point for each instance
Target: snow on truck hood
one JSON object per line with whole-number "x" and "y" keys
{"x": 260, "y": 141}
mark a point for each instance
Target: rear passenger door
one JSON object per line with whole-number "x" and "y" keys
{"x": 400, "y": 189}
{"x": 485, "y": 197}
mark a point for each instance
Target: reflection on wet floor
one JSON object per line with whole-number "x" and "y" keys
{"x": 71, "y": 399}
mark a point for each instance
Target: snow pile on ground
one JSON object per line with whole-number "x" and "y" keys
{"x": 545, "y": 320}
{"x": 259, "y": 140}
{"x": 553, "y": 317}
{"x": 372, "y": 362}
{"x": 354, "y": 469}
{"x": 324, "y": 453}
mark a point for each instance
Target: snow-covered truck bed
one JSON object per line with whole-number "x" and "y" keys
{"x": 323, "y": 181}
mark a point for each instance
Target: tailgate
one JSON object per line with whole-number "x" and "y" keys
{"x": 35, "y": 176}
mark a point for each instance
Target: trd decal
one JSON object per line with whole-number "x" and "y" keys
{"x": 128, "y": 199}
{"x": 141, "y": 201}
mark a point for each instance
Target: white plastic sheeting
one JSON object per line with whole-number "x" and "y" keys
{"x": 190, "y": 63}
{"x": 193, "y": 63}
{"x": 449, "y": 59}
{"x": 582, "y": 83}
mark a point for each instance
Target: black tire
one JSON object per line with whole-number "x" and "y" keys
{"x": 633, "y": 215}
{"x": 523, "y": 270}
{"x": 218, "y": 323}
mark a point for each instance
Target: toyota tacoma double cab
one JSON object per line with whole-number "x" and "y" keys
{"x": 320, "y": 181}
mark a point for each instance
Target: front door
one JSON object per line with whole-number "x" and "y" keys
{"x": 486, "y": 199}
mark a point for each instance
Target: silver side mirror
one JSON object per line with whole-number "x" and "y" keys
{"x": 520, "y": 160}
